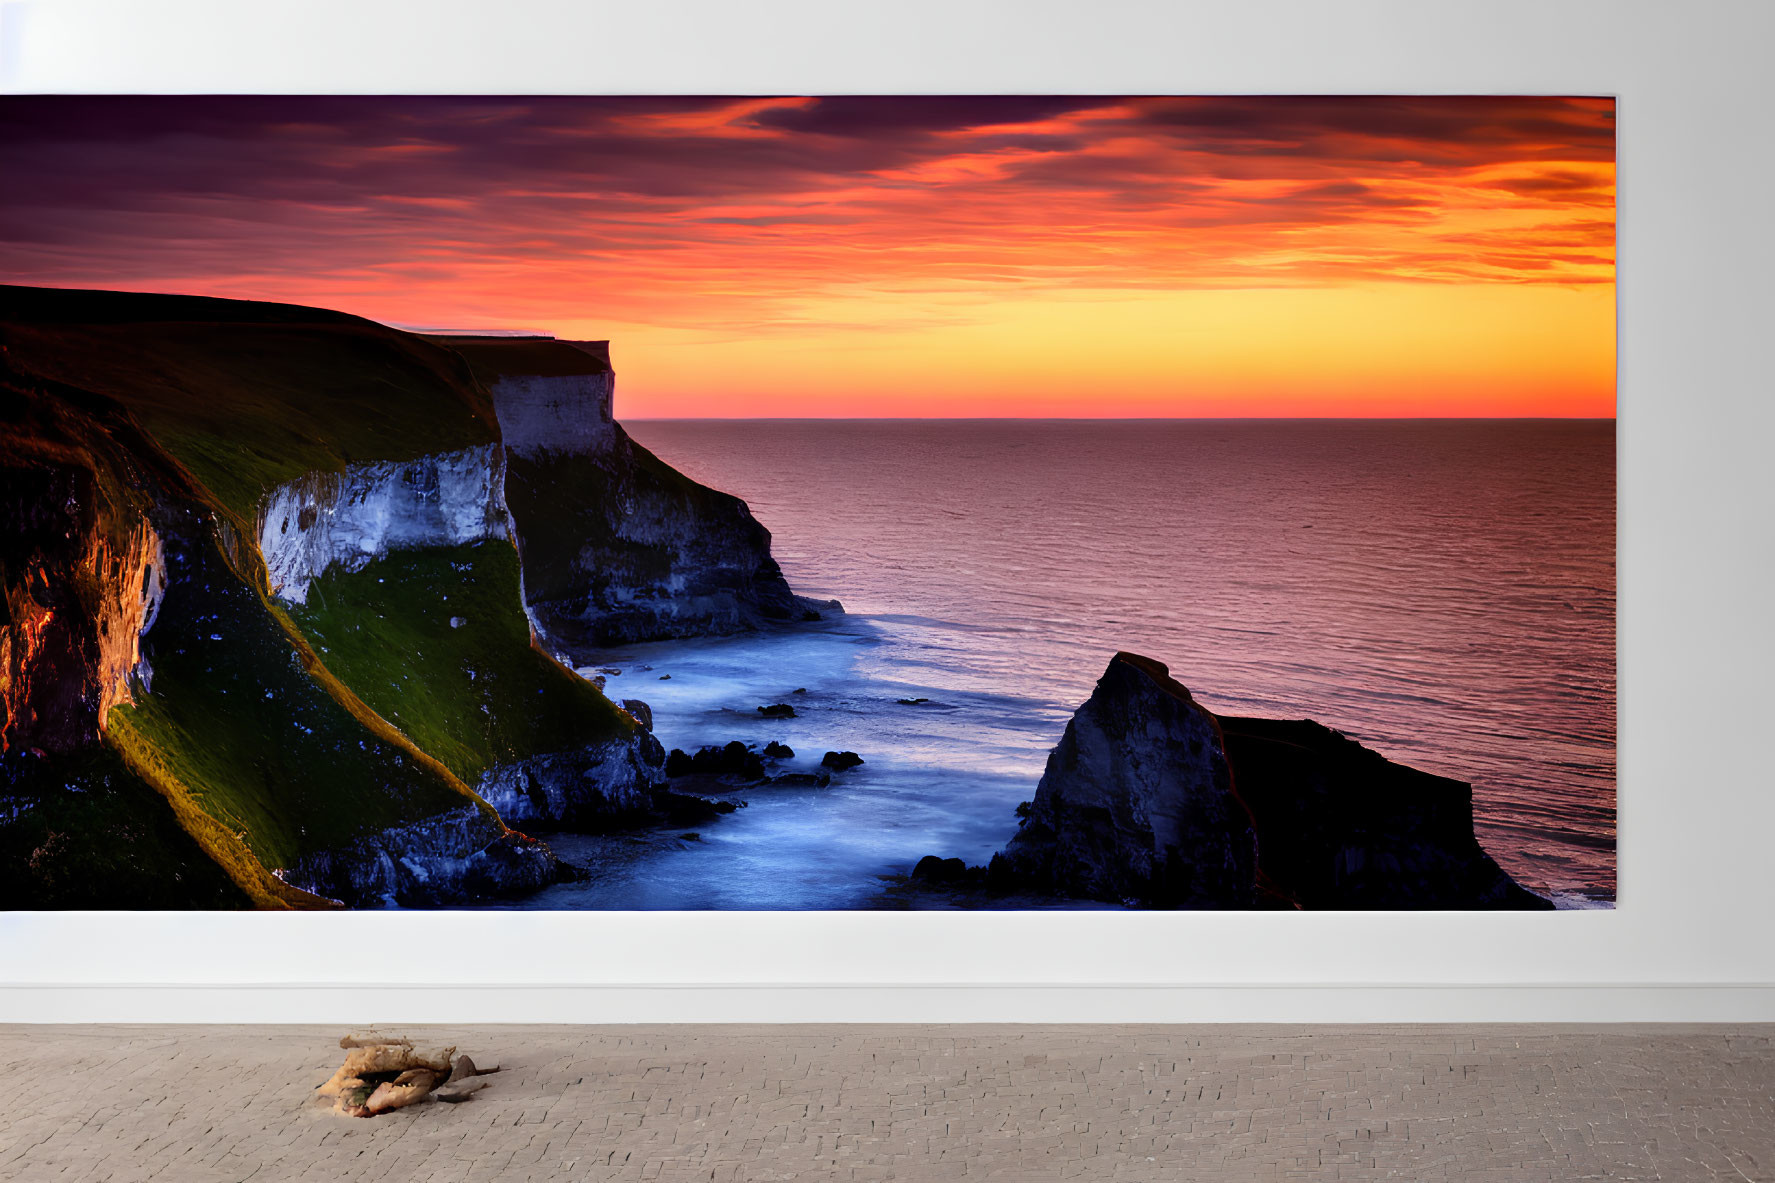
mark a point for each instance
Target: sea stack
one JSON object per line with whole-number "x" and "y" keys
{"x": 1151, "y": 800}
{"x": 1137, "y": 804}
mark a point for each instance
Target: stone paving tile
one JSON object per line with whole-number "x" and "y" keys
{"x": 746, "y": 1104}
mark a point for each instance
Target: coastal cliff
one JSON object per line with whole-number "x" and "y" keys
{"x": 403, "y": 574}
{"x": 265, "y": 639}
{"x": 199, "y": 723}
{"x": 1151, "y": 800}
{"x": 617, "y": 546}
{"x": 81, "y": 581}
{"x": 282, "y": 594}
{"x": 83, "y": 572}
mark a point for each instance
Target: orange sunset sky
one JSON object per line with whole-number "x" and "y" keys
{"x": 971, "y": 256}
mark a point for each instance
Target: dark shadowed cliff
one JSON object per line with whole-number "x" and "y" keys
{"x": 1151, "y": 800}
{"x": 1137, "y": 802}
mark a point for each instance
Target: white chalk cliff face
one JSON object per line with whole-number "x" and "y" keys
{"x": 325, "y": 518}
{"x": 570, "y": 413}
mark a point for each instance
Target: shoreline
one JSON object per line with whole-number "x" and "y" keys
{"x": 707, "y": 699}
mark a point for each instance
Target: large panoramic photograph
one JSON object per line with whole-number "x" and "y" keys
{"x": 807, "y": 503}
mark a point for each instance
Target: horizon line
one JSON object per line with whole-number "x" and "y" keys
{"x": 1117, "y": 418}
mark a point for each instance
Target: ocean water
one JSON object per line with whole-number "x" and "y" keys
{"x": 1443, "y": 591}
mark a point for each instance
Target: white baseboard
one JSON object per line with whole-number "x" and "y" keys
{"x": 755, "y": 1002}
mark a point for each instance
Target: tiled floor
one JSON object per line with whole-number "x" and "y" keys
{"x": 1505, "y": 1103}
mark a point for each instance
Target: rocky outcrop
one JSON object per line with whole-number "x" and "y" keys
{"x": 82, "y": 575}
{"x": 1137, "y": 802}
{"x": 456, "y": 857}
{"x": 595, "y": 788}
{"x": 1340, "y": 826}
{"x": 617, "y": 546}
{"x": 1151, "y": 800}
{"x": 323, "y": 519}
{"x": 733, "y": 759}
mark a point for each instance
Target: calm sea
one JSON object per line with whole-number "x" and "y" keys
{"x": 1443, "y": 591}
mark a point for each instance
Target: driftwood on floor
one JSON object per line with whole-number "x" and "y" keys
{"x": 384, "y": 1073}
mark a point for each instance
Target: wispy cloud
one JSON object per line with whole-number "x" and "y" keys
{"x": 722, "y": 211}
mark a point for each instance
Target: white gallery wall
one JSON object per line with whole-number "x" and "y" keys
{"x": 1694, "y": 934}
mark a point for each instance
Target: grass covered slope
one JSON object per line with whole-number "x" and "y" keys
{"x": 81, "y": 491}
{"x": 87, "y": 832}
{"x": 249, "y": 395}
{"x": 237, "y": 725}
{"x": 436, "y": 642}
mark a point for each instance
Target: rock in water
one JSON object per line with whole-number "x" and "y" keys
{"x": 1340, "y": 826}
{"x": 931, "y": 869}
{"x": 733, "y": 759}
{"x": 840, "y": 761}
{"x": 1150, "y": 799}
{"x": 1137, "y": 803}
{"x": 642, "y": 713}
{"x": 817, "y": 780}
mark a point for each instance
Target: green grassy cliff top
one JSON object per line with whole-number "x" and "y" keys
{"x": 493, "y": 358}
{"x": 248, "y": 395}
